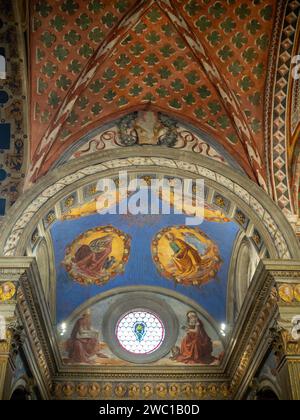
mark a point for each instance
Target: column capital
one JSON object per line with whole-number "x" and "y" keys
{"x": 271, "y": 304}
{"x": 25, "y": 313}
{"x": 11, "y": 272}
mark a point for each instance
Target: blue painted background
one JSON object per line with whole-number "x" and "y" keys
{"x": 140, "y": 269}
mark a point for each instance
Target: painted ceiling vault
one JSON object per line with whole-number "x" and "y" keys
{"x": 107, "y": 257}
{"x": 112, "y": 112}
{"x": 205, "y": 61}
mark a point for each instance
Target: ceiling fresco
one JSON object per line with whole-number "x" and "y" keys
{"x": 101, "y": 352}
{"x": 148, "y": 128}
{"x": 100, "y": 256}
{"x": 108, "y": 109}
{"x": 90, "y": 66}
{"x": 96, "y": 253}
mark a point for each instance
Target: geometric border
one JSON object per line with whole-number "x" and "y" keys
{"x": 279, "y": 135}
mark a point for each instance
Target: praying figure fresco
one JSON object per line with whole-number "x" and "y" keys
{"x": 196, "y": 347}
{"x": 97, "y": 255}
{"x": 186, "y": 255}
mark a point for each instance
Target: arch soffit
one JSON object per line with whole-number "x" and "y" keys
{"x": 264, "y": 217}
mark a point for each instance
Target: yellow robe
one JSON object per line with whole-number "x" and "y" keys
{"x": 186, "y": 259}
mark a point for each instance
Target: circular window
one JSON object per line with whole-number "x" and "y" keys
{"x": 140, "y": 332}
{"x": 140, "y": 327}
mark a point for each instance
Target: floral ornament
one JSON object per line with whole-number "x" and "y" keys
{"x": 49, "y": 69}
{"x": 83, "y": 22}
{"x": 170, "y": 136}
{"x": 58, "y": 23}
{"x": 63, "y": 82}
{"x": 95, "y": 6}
{"x": 127, "y": 133}
{"x": 192, "y": 7}
{"x": 43, "y": 8}
{"x": 72, "y": 37}
{"x": 48, "y": 39}
{"x": 70, "y": 7}
{"x": 109, "y": 20}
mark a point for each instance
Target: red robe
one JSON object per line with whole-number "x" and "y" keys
{"x": 81, "y": 349}
{"x": 91, "y": 263}
{"x": 196, "y": 347}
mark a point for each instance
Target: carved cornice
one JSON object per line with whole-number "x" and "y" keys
{"x": 252, "y": 337}
{"x": 259, "y": 312}
{"x": 286, "y": 274}
{"x": 36, "y": 332}
{"x": 284, "y": 344}
{"x": 195, "y": 374}
{"x": 28, "y": 321}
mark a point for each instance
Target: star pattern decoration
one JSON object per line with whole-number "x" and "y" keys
{"x": 151, "y": 65}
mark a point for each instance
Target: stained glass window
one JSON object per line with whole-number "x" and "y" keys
{"x": 140, "y": 332}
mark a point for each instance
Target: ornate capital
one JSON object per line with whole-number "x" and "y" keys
{"x": 22, "y": 315}
{"x": 14, "y": 337}
{"x": 282, "y": 341}
{"x": 267, "y": 311}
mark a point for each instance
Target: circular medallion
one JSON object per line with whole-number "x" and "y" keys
{"x": 7, "y": 291}
{"x": 297, "y": 292}
{"x": 286, "y": 293}
{"x": 97, "y": 255}
{"x": 186, "y": 255}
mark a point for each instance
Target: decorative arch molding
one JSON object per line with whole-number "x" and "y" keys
{"x": 244, "y": 268}
{"x": 259, "y": 387}
{"x": 296, "y": 186}
{"x": 278, "y": 95}
{"x": 162, "y": 127}
{"x": 44, "y": 254}
{"x": 266, "y": 384}
{"x": 266, "y": 220}
{"x": 244, "y": 261}
{"x": 23, "y": 384}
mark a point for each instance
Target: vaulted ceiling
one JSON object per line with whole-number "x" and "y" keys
{"x": 203, "y": 61}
